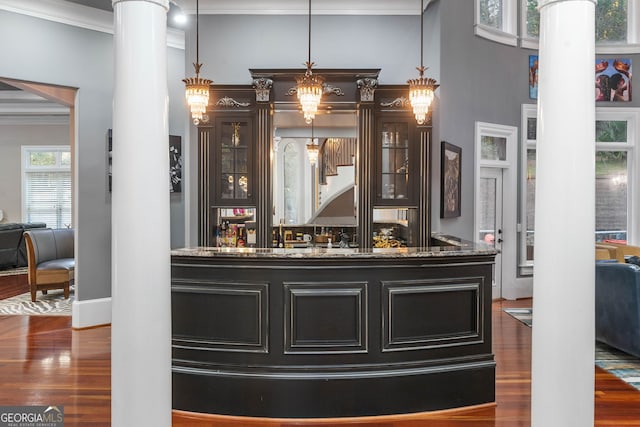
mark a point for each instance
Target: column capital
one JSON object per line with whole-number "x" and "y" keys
{"x": 163, "y": 3}
{"x": 543, "y": 3}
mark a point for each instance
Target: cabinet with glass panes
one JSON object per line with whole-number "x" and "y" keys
{"x": 395, "y": 163}
{"x": 233, "y": 158}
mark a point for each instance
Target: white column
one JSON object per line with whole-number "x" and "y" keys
{"x": 140, "y": 258}
{"x": 563, "y": 286}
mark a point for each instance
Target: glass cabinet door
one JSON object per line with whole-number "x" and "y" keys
{"x": 234, "y": 159}
{"x": 394, "y": 164}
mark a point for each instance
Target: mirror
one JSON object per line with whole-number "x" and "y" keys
{"x": 310, "y": 192}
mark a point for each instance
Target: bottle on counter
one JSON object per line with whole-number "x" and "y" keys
{"x": 329, "y": 245}
{"x": 240, "y": 240}
{"x": 280, "y": 237}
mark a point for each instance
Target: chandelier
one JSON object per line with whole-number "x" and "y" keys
{"x": 421, "y": 90}
{"x": 309, "y": 88}
{"x": 312, "y": 149}
{"x": 197, "y": 88}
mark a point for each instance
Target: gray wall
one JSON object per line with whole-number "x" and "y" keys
{"x": 47, "y": 52}
{"x": 481, "y": 81}
{"x": 12, "y": 138}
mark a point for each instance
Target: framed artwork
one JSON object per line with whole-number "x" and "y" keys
{"x": 533, "y": 76}
{"x": 175, "y": 162}
{"x": 613, "y": 80}
{"x": 450, "y": 184}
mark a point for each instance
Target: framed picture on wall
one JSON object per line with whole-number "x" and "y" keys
{"x": 450, "y": 184}
{"x": 613, "y": 80}
{"x": 533, "y": 76}
{"x": 175, "y": 162}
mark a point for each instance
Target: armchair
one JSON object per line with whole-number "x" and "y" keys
{"x": 50, "y": 257}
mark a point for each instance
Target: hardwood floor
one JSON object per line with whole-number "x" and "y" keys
{"x": 13, "y": 285}
{"x": 44, "y": 362}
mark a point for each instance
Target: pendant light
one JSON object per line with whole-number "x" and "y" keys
{"x": 421, "y": 90}
{"x": 197, "y": 88}
{"x": 309, "y": 88}
{"x": 313, "y": 149}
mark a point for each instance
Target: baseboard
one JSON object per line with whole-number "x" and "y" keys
{"x": 94, "y": 312}
{"x": 522, "y": 288}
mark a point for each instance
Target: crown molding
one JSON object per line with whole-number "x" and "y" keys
{"x": 78, "y": 16}
{"x": 296, "y": 7}
{"x": 34, "y": 120}
{"x": 30, "y": 109}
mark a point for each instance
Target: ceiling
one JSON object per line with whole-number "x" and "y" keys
{"x": 14, "y": 102}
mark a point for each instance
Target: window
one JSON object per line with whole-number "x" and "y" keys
{"x": 616, "y": 159}
{"x": 497, "y": 20}
{"x": 46, "y": 185}
{"x": 617, "y": 25}
{"x": 291, "y": 184}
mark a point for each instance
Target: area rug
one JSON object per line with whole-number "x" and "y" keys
{"x": 619, "y": 363}
{"x": 13, "y": 271}
{"x": 52, "y": 304}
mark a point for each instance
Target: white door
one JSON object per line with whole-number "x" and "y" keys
{"x": 490, "y": 219}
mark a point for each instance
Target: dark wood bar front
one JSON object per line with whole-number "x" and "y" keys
{"x": 315, "y": 333}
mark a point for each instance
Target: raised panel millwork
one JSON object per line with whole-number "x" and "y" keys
{"x": 423, "y": 314}
{"x": 325, "y": 317}
{"x": 222, "y": 316}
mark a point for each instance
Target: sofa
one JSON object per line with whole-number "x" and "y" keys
{"x": 51, "y": 259}
{"x": 13, "y": 252}
{"x": 617, "y": 303}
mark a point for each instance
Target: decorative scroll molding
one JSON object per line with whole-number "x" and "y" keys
{"x": 231, "y": 103}
{"x": 326, "y": 89}
{"x": 367, "y": 87}
{"x": 292, "y": 91}
{"x": 400, "y": 102}
{"x": 332, "y": 89}
{"x": 263, "y": 88}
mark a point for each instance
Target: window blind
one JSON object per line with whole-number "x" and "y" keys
{"x": 48, "y": 198}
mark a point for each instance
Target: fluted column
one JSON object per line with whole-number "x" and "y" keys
{"x": 140, "y": 251}
{"x": 563, "y": 287}
{"x": 365, "y": 172}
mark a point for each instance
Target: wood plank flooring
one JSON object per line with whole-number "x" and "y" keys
{"x": 44, "y": 362}
{"x": 13, "y": 285}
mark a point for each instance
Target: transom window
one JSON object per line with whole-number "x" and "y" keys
{"x": 617, "y": 24}
{"x": 497, "y": 20}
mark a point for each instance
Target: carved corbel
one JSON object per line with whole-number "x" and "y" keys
{"x": 367, "y": 88}
{"x": 263, "y": 88}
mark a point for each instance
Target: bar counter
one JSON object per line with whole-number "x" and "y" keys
{"x": 323, "y": 333}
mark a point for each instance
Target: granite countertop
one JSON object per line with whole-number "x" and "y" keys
{"x": 454, "y": 247}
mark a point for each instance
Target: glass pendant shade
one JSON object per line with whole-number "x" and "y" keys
{"x": 197, "y": 95}
{"x": 309, "y": 88}
{"x": 197, "y": 88}
{"x": 421, "y": 90}
{"x": 309, "y": 92}
{"x": 421, "y": 93}
{"x": 312, "y": 152}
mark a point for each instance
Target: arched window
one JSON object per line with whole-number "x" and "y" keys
{"x": 291, "y": 196}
